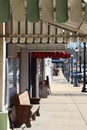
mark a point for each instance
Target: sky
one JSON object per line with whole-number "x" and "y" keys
{"x": 73, "y": 45}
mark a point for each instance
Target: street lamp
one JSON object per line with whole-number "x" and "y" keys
{"x": 84, "y": 89}
{"x": 76, "y": 76}
{"x": 71, "y": 69}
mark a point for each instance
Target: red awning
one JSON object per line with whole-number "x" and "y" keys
{"x": 50, "y": 54}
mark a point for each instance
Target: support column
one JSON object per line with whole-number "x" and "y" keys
{"x": 4, "y": 122}
{"x": 24, "y": 70}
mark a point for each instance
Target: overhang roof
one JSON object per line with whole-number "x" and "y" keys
{"x": 46, "y": 30}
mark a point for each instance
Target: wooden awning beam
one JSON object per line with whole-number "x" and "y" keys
{"x": 40, "y": 36}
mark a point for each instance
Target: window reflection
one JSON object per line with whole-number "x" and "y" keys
{"x": 17, "y": 75}
{"x": 11, "y": 72}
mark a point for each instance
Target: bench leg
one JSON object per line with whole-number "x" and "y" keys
{"x": 28, "y": 125}
{"x": 38, "y": 113}
{"x": 33, "y": 117}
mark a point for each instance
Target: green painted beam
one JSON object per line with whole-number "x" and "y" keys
{"x": 4, "y": 10}
{"x": 85, "y": 13}
{"x": 61, "y": 11}
{"x": 33, "y": 10}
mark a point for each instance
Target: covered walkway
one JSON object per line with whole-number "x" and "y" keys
{"x": 39, "y": 26}
{"x": 64, "y": 109}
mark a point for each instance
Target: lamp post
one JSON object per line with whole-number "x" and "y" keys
{"x": 84, "y": 89}
{"x": 76, "y": 76}
{"x": 80, "y": 58}
{"x": 71, "y": 69}
{"x": 80, "y": 70}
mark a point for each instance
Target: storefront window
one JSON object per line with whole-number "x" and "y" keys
{"x": 13, "y": 72}
{"x": 12, "y": 79}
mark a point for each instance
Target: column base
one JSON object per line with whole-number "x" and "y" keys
{"x": 84, "y": 89}
{"x": 4, "y": 121}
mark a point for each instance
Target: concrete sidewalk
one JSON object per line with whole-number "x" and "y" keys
{"x": 64, "y": 109}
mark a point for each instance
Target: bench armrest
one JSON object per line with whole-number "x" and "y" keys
{"x": 35, "y": 100}
{"x": 25, "y": 106}
{"x": 23, "y": 109}
{"x": 23, "y": 114}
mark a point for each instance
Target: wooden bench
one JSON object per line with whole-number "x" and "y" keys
{"x": 26, "y": 109}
